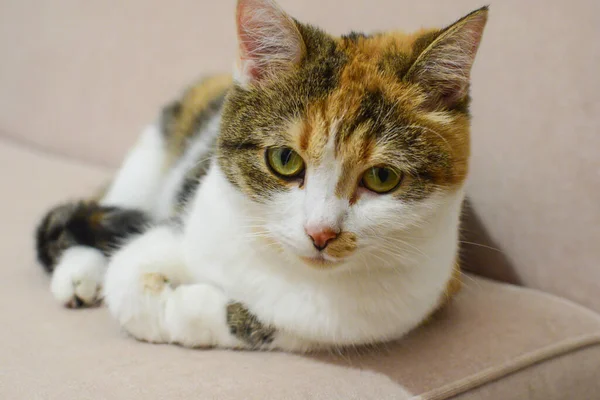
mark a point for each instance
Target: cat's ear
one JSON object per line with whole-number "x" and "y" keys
{"x": 443, "y": 69}
{"x": 269, "y": 41}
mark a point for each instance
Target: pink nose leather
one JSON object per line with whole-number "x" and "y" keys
{"x": 321, "y": 236}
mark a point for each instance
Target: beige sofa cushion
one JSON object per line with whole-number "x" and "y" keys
{"x": 489, "y": 331}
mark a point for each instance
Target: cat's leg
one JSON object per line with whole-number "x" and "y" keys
{"x": 74, "y": 240}
{"x": 150, "y": 291}
{"x": 153, "y": 295}
{"x": 77, "y": 281}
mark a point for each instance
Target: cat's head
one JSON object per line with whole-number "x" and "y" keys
{"x": 346, "y": 143}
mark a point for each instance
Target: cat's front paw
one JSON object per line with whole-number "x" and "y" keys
{"x": 195, "y": 317}
{"x": 77, "y": 278}
{"x": 246, "y": 326}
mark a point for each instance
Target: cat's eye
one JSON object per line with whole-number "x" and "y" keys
{"x": 285, "y": 161}
{"x": 381, "y": 179}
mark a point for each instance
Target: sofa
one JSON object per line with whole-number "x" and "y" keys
{"x": 79, "y": 80}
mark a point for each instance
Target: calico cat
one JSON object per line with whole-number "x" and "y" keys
{"x": 310, "y": 201}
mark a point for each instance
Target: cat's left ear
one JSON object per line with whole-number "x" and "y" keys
{"x": 443, "y": 69}
{"x": 269, "y": 41}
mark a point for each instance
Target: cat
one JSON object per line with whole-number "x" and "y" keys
{"x": 311, "y": 200}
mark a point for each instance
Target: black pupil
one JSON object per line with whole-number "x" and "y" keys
{"x": 285, "y": 155}
{"x": 383, "y": 174}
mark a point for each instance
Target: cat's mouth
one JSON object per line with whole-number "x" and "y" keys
{"x": 319, "y": 261}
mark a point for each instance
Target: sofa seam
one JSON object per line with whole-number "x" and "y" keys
{"x": 515, "y": 365}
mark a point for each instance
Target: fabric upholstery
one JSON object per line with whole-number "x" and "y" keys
{"x": 489, "y": 331}
{"x": 565, "y": 377}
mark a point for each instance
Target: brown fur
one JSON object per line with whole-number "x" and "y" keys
{"x": 246, "y": 327}
{"x": 183, "y": 118}
{"x": 85, "y": 223}
{"x": 342, "y": 246}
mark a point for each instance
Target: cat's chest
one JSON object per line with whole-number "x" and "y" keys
{"x": 337, "y": 309}
{"x": 326, "y": 310}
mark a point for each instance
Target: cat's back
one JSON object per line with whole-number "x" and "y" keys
{"x": 190, "y": 127}
{"x": 186, "y": 117}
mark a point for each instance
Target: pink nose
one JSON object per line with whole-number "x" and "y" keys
{"x": 321, "y": 236}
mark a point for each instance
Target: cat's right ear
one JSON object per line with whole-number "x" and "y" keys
{"x": 443, "y": 69}
{"x": 269, "y": 41}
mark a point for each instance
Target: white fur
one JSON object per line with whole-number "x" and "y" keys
{"x": 322, "y": 208}
{"x": 198, "y": 150}
{"x": 174, "y": 311}
{"x": 141, "y": 311}
{"x": 79, "y": 273}
{"x": 138, "y": 182}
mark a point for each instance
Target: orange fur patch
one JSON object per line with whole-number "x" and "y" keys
{"x": 154, "y": 283}
{"x": 342, "y": 246}
{"x": 195, "y": 99}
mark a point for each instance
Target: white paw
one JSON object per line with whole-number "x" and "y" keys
{"x": 139, "y": 307}
{"x": 77, "y": 279}
{"x": 196, "y": 316}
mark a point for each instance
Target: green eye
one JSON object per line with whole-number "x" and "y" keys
{"x": 381, "y": 179}
{"x": 285, "y": 161}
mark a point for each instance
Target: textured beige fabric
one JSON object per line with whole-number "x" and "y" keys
{"x": 478, "y": 381}
{"x": 562, "y": 377}
{"x": 83, "y": 78}
{"x": 47, "y": 352}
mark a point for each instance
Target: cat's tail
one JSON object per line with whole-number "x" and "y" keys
{"x": 85, "y": 223}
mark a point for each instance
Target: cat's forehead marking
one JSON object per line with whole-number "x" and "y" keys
{"x": 317, "y": 129}
{"x": 354, "y": 157}
{"x": 320, "y": 144}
